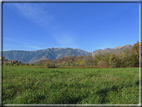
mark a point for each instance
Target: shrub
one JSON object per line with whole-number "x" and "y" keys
{"x": 102, "y": 64}
{"x": 82, "y": 65}
{"x": 32, "y": 64}
{"x": 39, "y": 64}
{"x": 72, "y": 64}
{"x": 49, "y": 65}
{"x": 17, "y": 63}
{"x": 113, "y": 64}
{"x": 6, "y": 64}
{"x": 77, "y": 64}
{"x": 21, "y": 64}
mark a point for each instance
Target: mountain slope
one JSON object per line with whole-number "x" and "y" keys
{"x": 52, "y": 53}
{"x": 114, "y": 49}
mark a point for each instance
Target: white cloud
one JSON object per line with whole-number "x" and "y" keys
{"x": 34, "y": 12}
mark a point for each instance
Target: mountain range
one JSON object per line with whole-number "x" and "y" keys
{"x": 52, "y": 53}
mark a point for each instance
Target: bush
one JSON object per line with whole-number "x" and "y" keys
{"x": 102, "y": 64}
{"x": 72, "y": 65}
{"x": 49, "y": 65}
{"x": 6, "y": 64}
{"x": 113, "y": 64}
{"x": 77, "y": 64}
{"x": 82, "y": 65}
{"x": 32, "y": 64}
{"x": 39, "y": 64}
{"x": 17, "y": 63}
{"x": 21, "y": 64}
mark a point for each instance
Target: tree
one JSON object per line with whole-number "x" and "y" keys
{"x": 17, "y": 63}
{"x": 106, "y": 57}
{"x": 79, "y": 61}
{"x": 69, "y": 62}
{"x": 126, "y": 57}
{"x": 112, "y": 60}
{"x": 135, "y": 54}
{"x": 98, "y": 56}
{"x": 102, "y": 64}
{"x": 49, "y": 65}
{"x": 88, "y": 60}
{"x": 135, "y": 48}
{"x": 82, "y": 63}
{"x": 134, "y": 60}
{"x": 32, "y": 64}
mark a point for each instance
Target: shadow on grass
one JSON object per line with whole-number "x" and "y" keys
{"x": 103, "y": 92}
{"x": 56, "y": 71}
{"x": 38, "y": 99}
{"x": 67, "y": 99}
{"x": 102, "y": 95}
{"x": 93, "y": 75}
{"x": 137, "y": 82}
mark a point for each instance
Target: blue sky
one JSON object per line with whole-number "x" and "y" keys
{"x": 86, "y": 26}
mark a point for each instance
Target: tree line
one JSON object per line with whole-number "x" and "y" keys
{"x": 103, "y": 59}
{"x": 127, "y": 58}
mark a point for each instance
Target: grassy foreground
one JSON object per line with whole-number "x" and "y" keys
{"x": 23, "y": 85}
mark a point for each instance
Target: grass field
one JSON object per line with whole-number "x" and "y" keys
{"x": 25, "y": 85}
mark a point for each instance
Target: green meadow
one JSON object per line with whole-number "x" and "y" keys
{"x": 39, "y": 85}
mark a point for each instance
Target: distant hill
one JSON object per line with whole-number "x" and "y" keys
{"x": 51, "y": 53}
{"x": 114, "y": 49}
{"x": 64, "y": 60}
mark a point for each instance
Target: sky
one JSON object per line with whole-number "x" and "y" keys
{"x": 86, "y": 26}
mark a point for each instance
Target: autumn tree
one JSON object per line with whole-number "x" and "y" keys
{"x": 113, "y": 60}
{"x": 135, "y": 48}
{"x": 102, "y": 64}
{"x": 79, "y": 61}
{"x": 135, "y": 55}
{"x": 98, "y": 56}
{"x": 88, "y": 60}
{"x": 49, "y": 65}
{"x": 126, "y": 57}
{"x": 82, "y": 63}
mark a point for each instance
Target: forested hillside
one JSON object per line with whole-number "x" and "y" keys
{"x": 52, "y": 53}
{"x": 127, "y": 57}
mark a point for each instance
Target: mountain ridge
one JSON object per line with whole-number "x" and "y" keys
{"x": 52, "y": 53}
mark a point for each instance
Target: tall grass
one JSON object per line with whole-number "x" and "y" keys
{"x": 23, "y": 85}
